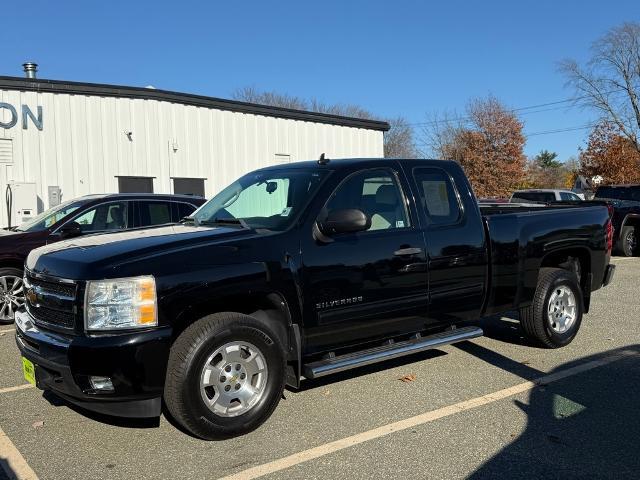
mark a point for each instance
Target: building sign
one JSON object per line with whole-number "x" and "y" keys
{"x": 26, "y": 115}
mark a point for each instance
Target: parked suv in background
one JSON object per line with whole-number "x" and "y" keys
{"x": 91, "y": 214}
{"x": 625, "y": 200}
{"x": 544, "y": 196}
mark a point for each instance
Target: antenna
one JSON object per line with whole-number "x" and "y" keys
{"x": 322, "y": 160}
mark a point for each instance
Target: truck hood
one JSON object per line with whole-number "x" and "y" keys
{"x": 94, "y": 256}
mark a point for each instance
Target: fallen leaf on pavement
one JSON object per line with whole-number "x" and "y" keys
{"x": 38, "y": 424}
{"x": 407, "y": 378}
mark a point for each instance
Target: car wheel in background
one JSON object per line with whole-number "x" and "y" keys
{"x": 627, "y": 242}
{"x": 11, "y": 293}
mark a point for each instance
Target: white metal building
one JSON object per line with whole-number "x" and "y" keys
{"x": 60, "y": 140}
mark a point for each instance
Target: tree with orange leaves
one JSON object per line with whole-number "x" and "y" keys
{"x": 611, "y": 155}
{"x": 489, "y": 146}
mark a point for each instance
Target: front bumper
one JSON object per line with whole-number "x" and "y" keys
{"x": 608, "y": 275}
{"x": 136, "y": 363}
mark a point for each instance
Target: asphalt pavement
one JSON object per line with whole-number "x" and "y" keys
{"x": 491, "y": 407}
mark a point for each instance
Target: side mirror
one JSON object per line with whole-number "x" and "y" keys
{"x": 71, "y": 229}
{"x": 349, "y": 220}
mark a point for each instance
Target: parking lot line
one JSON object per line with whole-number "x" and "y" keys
{"x": 16, "y": 388}
{"x": 12, "y": 461}
{"x": 427, "y": 417}
{"x": 8, "y": 330}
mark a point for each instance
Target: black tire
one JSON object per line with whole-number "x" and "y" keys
{"x": 535, "y": 319}
{"x": 627, "y": 244}
{"x": 11, "y": 272}
{"x": 190, "y": 353}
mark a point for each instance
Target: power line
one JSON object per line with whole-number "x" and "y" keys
{"x": 522, "y": 110}
{"x": 560, "y": 130}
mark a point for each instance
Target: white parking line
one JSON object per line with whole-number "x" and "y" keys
{"x": 12, "y": 461}
{"x": 328, "y": 448}
{"x": 8, "y": 330}
{"x": 16, "y": 388}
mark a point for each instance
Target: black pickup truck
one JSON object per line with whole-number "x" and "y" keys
{"x": 298, "y": 271}
{"x": 625, "y": 203}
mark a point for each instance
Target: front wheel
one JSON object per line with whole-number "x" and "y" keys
{"x": 11, "y": 293}
{"x": 225, "y": 376}
{"x": 554, "y": 317}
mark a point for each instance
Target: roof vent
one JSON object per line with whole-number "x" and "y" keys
{"x": 30, "y": 69}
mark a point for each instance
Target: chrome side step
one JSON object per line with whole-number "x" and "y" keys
{"x": 388, "y": 351}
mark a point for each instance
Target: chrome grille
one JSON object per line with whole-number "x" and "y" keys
{"x": 50, "y": 303}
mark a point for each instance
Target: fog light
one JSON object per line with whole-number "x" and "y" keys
{"x": 102, "y": 384}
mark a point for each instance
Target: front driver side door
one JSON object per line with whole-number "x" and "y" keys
{"x": 371, "y": 284}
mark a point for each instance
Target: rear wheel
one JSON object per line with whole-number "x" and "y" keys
{"x": 225, "y": 376}
{"x": 11, "y": 293}
{"x": 554, "y": 317}
{"x": 628, "y": 242}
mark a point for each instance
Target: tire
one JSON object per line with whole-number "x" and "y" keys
{"x": 627, "y": 244}
{"x": 11, "y": 293}
{"x": 201, "y": 356}
{"x": 545, "y": 327}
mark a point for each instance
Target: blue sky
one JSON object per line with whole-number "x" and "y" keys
{"x": 405, "y": 58}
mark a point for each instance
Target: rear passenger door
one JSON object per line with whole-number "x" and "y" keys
{"x": 454, "y": 235}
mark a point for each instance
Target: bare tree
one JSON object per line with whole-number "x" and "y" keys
{"x": 440, "y": 136}
{"x": 398, "y": 141}
{"x": 610, "y": 80}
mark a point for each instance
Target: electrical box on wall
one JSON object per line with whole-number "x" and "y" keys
{"x": 55, "y": 196}
{"x": 22, "y": 201}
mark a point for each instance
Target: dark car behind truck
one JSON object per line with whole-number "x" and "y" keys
{"x": 625, "y": 201}
{"x": 293, "y": 272}
{"x": 88, "y": 215}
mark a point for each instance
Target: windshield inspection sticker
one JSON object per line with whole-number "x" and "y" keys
{"x": 399, "y": 224}
{"x": 286, "y": 212}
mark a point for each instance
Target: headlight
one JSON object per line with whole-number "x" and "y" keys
{"x": 121, "y": 303}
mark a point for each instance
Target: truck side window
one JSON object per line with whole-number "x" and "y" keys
{"x": 437, "y": 195}
{"x": 377, "y": 194}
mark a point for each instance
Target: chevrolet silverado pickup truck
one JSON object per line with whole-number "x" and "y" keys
{"x": 294, "y": 272}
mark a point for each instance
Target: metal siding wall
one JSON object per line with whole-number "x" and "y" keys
{"x": 83, "y": 146}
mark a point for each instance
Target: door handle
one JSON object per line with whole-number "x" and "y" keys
{"x": 407, "y": 251}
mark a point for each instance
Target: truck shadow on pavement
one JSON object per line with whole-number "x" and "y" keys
{"x": 584, "y": 426}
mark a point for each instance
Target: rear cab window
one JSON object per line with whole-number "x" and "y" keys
{"x": 438, "y": 197}
{"x": 538, "y": 197}
{"x": 619, "y": 193}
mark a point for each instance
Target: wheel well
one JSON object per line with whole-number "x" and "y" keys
{"x": 270, "y": 309}
{"x": 631, "y": 221}
{"x": 12, "y": 263}
{"x": 577, "y": 261}
{"x": 574, "y": 260}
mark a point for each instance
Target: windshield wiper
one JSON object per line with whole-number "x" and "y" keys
{"x": 224, "y": 221}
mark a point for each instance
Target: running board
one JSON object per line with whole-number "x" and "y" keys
{"x": 348, "y": 361}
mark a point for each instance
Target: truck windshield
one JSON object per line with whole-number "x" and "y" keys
{"x": 268, "y": 199}
{"x": 51, "y": 217}
{"x": 619, "y": 193}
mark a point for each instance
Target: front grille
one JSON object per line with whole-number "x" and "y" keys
{"x": 49, "y": 316}
{"x": 51, "y": 303}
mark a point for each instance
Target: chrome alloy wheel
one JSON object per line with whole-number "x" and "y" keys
{"x": 631, "y": 240}
{"x": 233, "y": 379}
{"x": 562, "y": 309}
{"x": 11, "y": 296}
